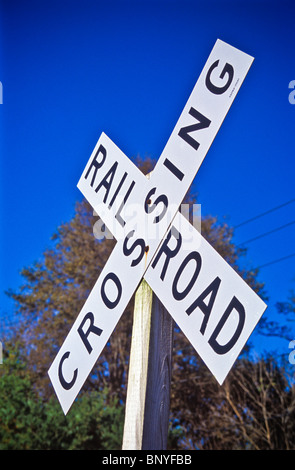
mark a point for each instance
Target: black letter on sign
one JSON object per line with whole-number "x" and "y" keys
{"x": 91, "y": 329}
{"x": 195, "y": 256}
{"x": 224, "y": 348}
{"x": 150, "y": 208}
{"x": 118, "y": 189}
{"x": 168, "y": 252}
{"x": 206, "y": 308}
{"x": 127, "y": 251}
{"x": 176, "y": 171}
{"x": 118, "y": 213}
{"x": 66, "y": 385}
{"x": 226, "y": 69}
{"x": 107, "y": 184}
{"x": 96, "y": 164}
{"x": 202, "y": 124}
{"x": 111, "y": 303}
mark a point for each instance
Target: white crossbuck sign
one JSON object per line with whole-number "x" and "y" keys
{"x": 210, "y": 302}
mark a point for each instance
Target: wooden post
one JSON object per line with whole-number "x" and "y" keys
{"x": 149, "y": 377}
{"x": 157, "y": 401}
{"x": 138, "y": 366}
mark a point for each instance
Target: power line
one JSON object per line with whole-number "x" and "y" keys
{"x": 264, "y": 213}
{"x": 276, "y": 261}
{"x": 268, "y": 233}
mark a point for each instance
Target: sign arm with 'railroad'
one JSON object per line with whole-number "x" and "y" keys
{"x": 210, "y": 302}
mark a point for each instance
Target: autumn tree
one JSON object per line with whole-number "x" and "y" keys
{"x": 53, "y": 293}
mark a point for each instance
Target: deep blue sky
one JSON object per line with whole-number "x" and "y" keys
{"x": 72, "y": 69}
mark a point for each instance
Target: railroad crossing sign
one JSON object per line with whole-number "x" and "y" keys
{"x": 210, "y": 302}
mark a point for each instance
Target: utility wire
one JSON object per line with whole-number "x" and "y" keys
{"x": 264, "y": 213}
{"x": 276, "y": 261}
{"x": 268, "y": 233}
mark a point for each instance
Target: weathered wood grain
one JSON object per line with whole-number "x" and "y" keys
{"x": 157, "y": 401}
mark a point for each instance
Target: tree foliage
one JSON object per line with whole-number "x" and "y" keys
{"x": 254, "y": 409}
{"x": 28, "y": 422}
